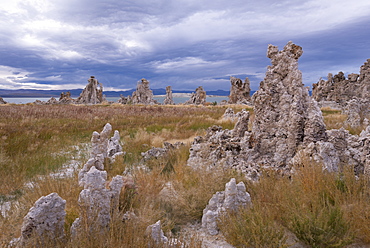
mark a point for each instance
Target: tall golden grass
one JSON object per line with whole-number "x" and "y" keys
{"x": 320, "y": 209}
{"x": 33, "y": 137}
{"x": 38, "y": 140}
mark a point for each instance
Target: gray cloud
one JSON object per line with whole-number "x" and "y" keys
{"x": 184, "y": 43}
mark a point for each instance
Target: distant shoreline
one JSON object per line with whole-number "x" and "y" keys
{"x": 177, "y": 97}
{"x": 76, "y": 92}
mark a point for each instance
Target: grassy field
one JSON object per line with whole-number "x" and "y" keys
{"x": 320, "y": 209}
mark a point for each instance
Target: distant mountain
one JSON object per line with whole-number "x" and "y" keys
{"x": 76, "y": 92}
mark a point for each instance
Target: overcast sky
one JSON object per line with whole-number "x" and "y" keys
{"x": 59, "y": 44}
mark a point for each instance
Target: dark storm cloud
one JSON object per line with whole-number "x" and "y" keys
{"x": 59, "y": 44}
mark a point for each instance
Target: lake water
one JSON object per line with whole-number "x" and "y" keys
{"x": 177, "y": 100}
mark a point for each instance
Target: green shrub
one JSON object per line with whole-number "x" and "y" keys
{"x": 323, "y": 227}
{"x": 254, "y": 227}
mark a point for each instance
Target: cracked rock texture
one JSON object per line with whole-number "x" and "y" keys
{"x": 239, "y": 91}
{"x": 286, "y": 120}
{"x": 234, "y": 197}
{"x": 285, "y": 115}
{"x": 115, "y": 187}
{"x": 45, "y": 220}
{"x": 99, "y": 141}
{"x": 364, "y": 140}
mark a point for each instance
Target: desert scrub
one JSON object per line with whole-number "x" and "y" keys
{"x": 337, "y": 203}
{"x": 260, "y": 225}
{"x": 323, "y": 227}
{"x": 321, "y": 209}
{"x": 252, "y": 227}
{"x": 36, "y": 140}
{"x": 175, "y": 192}
{"x": 32, "y": 136}
{"x": 194, "y": 188}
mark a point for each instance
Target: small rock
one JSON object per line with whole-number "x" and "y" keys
{"x": 234, "y": 197}
{"x": 45, "y": 220}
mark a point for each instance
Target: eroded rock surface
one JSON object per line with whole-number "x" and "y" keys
{"x": 159, "y": 239}
{"x": 99, "y": 142}
{"x": 115, "y": 186}
{"x": 288, "y": 128}
{"x": 364, "y": 140}
{"x": 285, "y": 115}
{"x": 143, "y": 94}
{"x": 169, "y": 99}
{"x": 114, "y": 146}
{"x": 239, "y": 91}
{"x": 350, "y": 94}
{"x": 124, "y": 100}
{"x": 92, "y": 94}
{"x": 94, "y": 201}
{"x": 155, "y": 232}
{"x": 349, "y": 148}
{"x": 357, "y": 111}
{"x": 286, "y": 120}
{"x": 340, "y": 89}
{"x": 102, "y": 147}
{"x": 39, "y": 102}
{"x": 97, "y": 203}
{"x": 2, "y": 101}
{"x": 45, "y": 221}
{"x": 51, "y": 101}
{"x": 65, "y": 98}
{"x": 224, "y": 148}
{"x": 230, "y": 200}
{"x": 197, "y": 98}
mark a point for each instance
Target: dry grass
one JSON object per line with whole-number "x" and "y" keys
{"x": 334, "y": 119}
{"x": 36, "y": 140}
{"x": 32, "y": 137}
{"x": 321, "y": 209}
